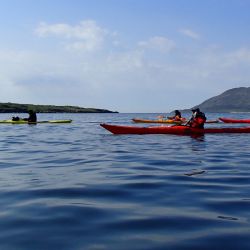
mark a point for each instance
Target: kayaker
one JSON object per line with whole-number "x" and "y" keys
{"x": 176, "y": 117}
{"x": 32, "y": 116}
{"x": 198, "y": 119}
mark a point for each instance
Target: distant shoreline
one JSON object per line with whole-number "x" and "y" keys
{"x": 23, "y": 108}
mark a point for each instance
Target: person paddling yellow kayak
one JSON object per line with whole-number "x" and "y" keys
{"x": 32, "y": 117}
{"x": 177, "y": 116}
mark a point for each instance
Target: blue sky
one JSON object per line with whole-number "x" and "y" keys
{"x": 126, "y": 55}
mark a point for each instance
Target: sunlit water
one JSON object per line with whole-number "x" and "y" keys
{"x": 76, "y": 186}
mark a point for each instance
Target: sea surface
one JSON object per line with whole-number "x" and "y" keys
{"x": 78, "y": 187}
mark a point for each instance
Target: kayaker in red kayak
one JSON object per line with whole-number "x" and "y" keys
{"x": 176, "y": 117}
{"x": 197, "y": 120}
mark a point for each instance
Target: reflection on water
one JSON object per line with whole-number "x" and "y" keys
{"x": 76, "y": 186}
{"x": 198, "y": 137}
{"x": 198, "y": 143}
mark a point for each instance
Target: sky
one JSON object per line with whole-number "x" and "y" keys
{"x": 128, "y": 56}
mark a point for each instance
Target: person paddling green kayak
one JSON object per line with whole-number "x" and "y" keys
{"x": 32, "y": 117}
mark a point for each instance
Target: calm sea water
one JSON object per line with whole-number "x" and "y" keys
{"x": 76, "y": 186}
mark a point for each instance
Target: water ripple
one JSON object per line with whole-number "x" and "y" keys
{"x": 77, "y": 187}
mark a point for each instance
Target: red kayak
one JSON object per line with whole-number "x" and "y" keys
{"x": 231, "y": 120}
{"x": 176, "y": 130}
{"x": 169, "y": 121}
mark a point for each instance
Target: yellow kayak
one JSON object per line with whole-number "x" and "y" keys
{"x": 169, "y": 121}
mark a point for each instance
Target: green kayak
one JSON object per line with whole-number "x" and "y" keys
{"x": 26, "y": 122}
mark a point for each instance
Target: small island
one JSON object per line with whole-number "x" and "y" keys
{"x": 22, "y": 108}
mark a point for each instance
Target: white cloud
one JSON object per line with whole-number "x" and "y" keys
{"x": 87, "y": 35}
{"x": 124, "y": 62}
{"x": 238, "y": 56}
{"x": 190, "y": 33}
{"x": 158, "y": 43}
{"x": 118, "y": 79}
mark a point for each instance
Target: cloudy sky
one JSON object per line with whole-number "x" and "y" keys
{"x": 123, "y": 55}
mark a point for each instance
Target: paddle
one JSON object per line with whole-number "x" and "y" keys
{"x": 161, "y": 117}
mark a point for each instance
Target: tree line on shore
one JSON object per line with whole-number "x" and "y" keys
{"x": 22, "y": 108}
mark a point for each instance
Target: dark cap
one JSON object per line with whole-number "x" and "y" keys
{"x": 195, "y": 109}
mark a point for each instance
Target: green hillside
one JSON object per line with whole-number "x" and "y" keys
{"x": 22, "y": 108}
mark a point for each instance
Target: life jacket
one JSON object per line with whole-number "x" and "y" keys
{"x": 198, "y": 121}
{"x": 177, "y": 118}
{"x": 32, "y": 118}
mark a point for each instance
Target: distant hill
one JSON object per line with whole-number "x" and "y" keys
{"x": 232, "y": 100}
{"x": 22, "y": 108}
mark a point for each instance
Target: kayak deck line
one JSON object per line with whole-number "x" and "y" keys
{"x": 176, "y": 130}
{"x": 168, "y": 121}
